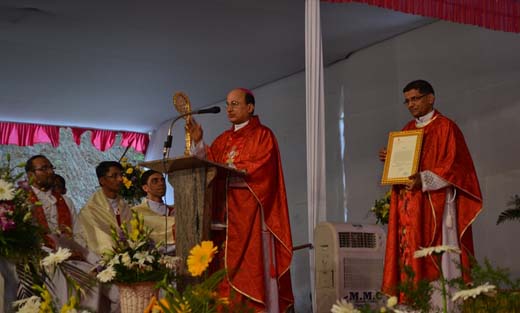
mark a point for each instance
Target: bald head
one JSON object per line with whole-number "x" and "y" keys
{"x": 240, "y": 105}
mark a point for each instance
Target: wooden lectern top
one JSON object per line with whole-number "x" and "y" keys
{"x": 169, "y": 165}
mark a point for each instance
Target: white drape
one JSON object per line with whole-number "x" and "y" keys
{"x": 315, "y": 124}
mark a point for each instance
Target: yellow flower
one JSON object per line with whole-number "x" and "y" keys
{"x": 200, "y": 257}
{"x": 184, "y": 308}
{"x": 69, "y": 307}
{"x": 154, "y": 307}
{"x": 130, "y": 170}
{"x": 135, "y": 229}
{"x": 223, "y": 300}
{"x": 127, "y": 182}
{"x": 46, "y": 305}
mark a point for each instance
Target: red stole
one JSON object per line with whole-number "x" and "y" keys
{"x": 254, "y": 149}
{"x": 64, "y": 216}
{"x": 444, "y": 152}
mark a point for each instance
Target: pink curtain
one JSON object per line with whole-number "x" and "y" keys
{"x": 28, "y": 134}
{"x": 503, "y": 15}
{"x": 137, "y": 140}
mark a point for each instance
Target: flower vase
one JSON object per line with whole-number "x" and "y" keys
{"x": 136, "y": 297}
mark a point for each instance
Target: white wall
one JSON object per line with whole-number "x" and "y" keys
{"x": 476, "y": 75}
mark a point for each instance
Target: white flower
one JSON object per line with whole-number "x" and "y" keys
{"x": 134, "y": 245}
{"x": 143, "y": 257}
{"x": 6, "y": 190}
{"x": 486, "y": 289}
{"x": 391, "y": 302}
{"x": 126, "y": 259}
{"x": 28, "y": 305}
{"x": 171, "y": 262}
{"x": 437, "y": 250}
{"x": 56, "y": 258}
{"x": 343, "y": 306}
{"x": 106, "y": 275}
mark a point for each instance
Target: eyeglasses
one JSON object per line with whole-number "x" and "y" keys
{"x": 45, "y": 169}
{"x": 232, "y": 104}
{"x": 414, "y": 99}
{"x": 116, "y": 175}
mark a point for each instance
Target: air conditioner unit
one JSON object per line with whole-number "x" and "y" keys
{"x": 348, "y": 263}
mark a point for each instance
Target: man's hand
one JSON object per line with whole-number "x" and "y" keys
{"x": 415, "y": 182}
{"x": 195, "y": 130}
{"x": 382, "y": 154}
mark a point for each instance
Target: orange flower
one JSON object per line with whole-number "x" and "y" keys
{"x": 200, "y": 257}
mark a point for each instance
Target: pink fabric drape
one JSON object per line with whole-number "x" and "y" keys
{"x": 101, "y": 139}
{"x": 137, "y": 140}
{"x": 29, "y": 134}
{"x": 503, "y": 15}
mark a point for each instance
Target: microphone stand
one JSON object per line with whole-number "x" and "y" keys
{"x": 166, "y": 152}
{"x": 168, "y": 142}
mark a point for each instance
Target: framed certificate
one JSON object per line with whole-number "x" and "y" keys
{"x": 402, "y": 156}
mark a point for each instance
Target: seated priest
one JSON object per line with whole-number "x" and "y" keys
{"x": 157, "y": 215}
{"x": 55, "y": 212}
{"x": 104, "y": 209}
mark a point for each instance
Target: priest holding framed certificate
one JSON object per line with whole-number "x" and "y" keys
{"x": 435, "y": 194}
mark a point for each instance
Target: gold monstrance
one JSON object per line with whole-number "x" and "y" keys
{"x": 181, "y": 102}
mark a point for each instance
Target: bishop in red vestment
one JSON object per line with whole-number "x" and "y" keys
{"x": 444, "y": 196}
{"x": 258, "y": 244}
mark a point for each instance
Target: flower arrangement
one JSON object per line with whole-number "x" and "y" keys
{"x": 201, "y": 297}
{"x": 42, "y": 301}
{"x": 20, "y": 235}
{"x": 381, "y": 208}
{"x": 135, "y": 257}
{"x": 131, "y": 190}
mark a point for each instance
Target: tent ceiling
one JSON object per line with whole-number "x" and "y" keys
{"x": 115, "y": 64}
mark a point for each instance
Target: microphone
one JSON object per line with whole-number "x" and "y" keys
{"x": 214, "y": 109}
{"x": 168, "y": 142}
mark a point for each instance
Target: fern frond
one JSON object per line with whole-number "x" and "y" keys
{"x": 513, "y": 211}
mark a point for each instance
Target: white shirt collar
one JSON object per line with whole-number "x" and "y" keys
{"x": 425, "y": 119}
{"x": 45, "y": 197}
{"x": 158, "y": 207}
{"x": 41, "y": 192}
{"x": 242, "y": 125}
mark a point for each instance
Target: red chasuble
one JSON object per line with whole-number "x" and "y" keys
{"x": 254, "y": 149}
{"x": 415, "y": 219}
{"x": 63, "y": 215}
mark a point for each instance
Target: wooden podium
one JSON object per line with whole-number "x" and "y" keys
{"x": 192, "y": 178}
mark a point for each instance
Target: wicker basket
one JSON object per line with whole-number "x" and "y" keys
{"x": 136, "y": 297}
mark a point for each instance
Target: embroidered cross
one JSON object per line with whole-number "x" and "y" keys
{"x": 231, "y": 157}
